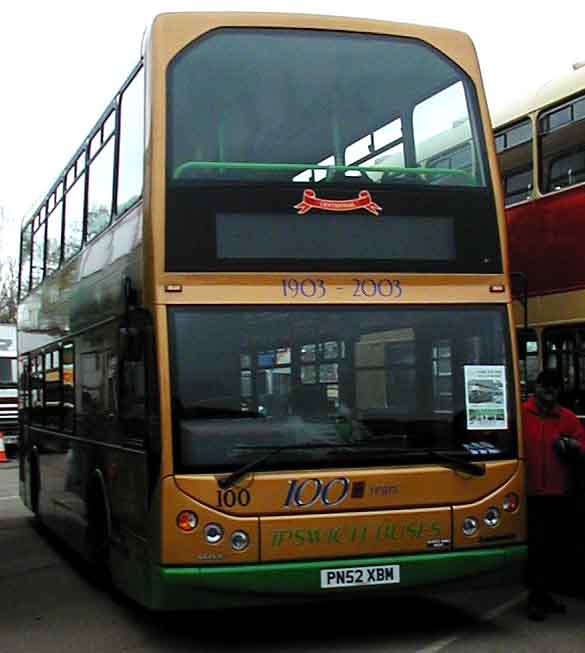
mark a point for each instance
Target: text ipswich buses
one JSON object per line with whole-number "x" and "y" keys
{"x": 415, "y": 530}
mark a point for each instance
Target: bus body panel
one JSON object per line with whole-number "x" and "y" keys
{"x": 367, "y": 488}
{"x": 179, "y": 588}
{"x": 68, "y": 467}
{"x": 322, "y": 531}
{"x": 333, "y": 536}
{"x": 359, "y": 289}
{"x": 551, "y": 225}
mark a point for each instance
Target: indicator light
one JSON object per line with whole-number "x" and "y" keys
{"x": 187, "y": 521}
{"x": 511, "y": 502}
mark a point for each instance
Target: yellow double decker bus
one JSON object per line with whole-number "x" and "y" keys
{"x": 265, "y": 342}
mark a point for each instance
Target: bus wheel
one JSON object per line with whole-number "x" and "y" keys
{"x": 98, "y": 532}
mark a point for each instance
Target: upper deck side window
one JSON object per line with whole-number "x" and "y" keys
{"x": 101, "y": 182}
{"x": 25, "y": 260}
{"x": 562, "y": 145}
{"x": 100, "y": 190}
{"x": 131, "y": 157}
{"x": 54, "y": 228}
{"x": 514, "y": 149}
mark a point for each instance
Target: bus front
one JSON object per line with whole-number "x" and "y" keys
{"x": 338, "y": 398}
{"x": 9, "y": 431}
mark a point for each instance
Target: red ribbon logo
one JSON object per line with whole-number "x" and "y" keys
{"x": 362, "y": 201}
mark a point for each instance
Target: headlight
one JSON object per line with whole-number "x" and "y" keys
{"x": 187, "y": 521}
{"x": 470, "y": 526}
{"x": 213, "y": 533}
{"x": 491, "y": 517}
{"x": 240, "y": 540}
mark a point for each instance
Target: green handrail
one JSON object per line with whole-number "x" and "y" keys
{"x": 187, "y": 166}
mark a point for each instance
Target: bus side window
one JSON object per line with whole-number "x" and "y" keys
{"x": 562, "y": 132}
{"x": 25, "y": 260}
{"x": 53, "y": 389}
{"x": 132, "y": 388}
{"x": 74, "y": 211}
{"x": 132, "y": 380}
{"x": 528, "y": 352}
{"x": 37, "y": 389}
{"x": 38, "y": 252}
{"x": 68, "y": 362}
{"x": 24, "y": 383}
{"x": 564, "y": 349}
{"x": 101, "y": 183}
{"x": 131, "y": 144}
{"x": 54, "y": 222}
{"x": 514, "y": 148}
{"x": 91, "y": 383}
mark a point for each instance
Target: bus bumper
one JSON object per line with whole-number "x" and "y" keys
{"x": 194, "y": 588}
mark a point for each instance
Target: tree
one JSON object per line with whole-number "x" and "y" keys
{"x": 8, "y": 277}
{"x": 8, "y": 289}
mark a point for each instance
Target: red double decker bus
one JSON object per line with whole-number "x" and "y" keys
{"x": 540, "y": 143}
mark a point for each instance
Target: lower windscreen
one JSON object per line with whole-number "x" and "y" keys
{"x": 334, "y": 236}
{"x": 339, "y": 385}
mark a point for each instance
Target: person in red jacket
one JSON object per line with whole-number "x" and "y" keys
{"x": 554, "y": 443}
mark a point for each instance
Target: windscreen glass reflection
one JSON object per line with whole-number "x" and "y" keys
{"x": 357, "y": 386}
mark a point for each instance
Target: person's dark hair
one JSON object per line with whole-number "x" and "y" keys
{"x": 549, "y": 379}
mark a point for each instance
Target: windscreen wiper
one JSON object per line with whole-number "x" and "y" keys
{"x": 234, "y": 477}
{"x": 474, "y": 469}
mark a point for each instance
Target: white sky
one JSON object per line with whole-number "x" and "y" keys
{"x": 62, "y": 61}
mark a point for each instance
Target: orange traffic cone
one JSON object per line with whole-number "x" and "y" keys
{"x": 3, "y": 458}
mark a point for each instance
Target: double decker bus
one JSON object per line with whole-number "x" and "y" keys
{"x": 251, "y": 344}
{"x": 540, "y": 141}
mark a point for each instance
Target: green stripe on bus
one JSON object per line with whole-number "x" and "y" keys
{"x": 282, "y": 581}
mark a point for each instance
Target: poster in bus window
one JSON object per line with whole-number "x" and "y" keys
{"x": 486, "y": 397}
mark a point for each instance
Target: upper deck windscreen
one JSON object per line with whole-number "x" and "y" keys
{"x": 387, "y": 123}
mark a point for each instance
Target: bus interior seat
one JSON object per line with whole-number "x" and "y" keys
{"x": 310, "y": 401}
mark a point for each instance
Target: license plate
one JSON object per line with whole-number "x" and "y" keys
{"x": 357, "y": 576}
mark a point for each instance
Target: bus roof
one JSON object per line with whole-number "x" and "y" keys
{"x": 292, "y": 19}
{"x": 552, "y": 92}
{"x": 455, "y": 44}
